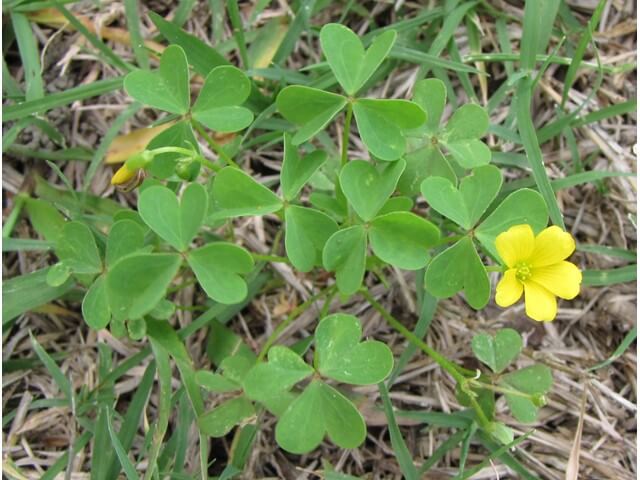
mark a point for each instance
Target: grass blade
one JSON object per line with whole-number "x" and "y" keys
{"x": 628, "y": 339}
{"x": 132, "y": 14}
{"x": 127, "y": 465}
{"x": 539, "y": 16}
{"x": 442, "y": 450}
{"x": 238, "y": 31}
{"x": 601, "y": 278}
{"x": 299, "y": 24}
{"x": 532, "y": 148}
{"x": 58, "y": 376}
{"x": 29, "y": 55}
{"x": 397, "y": 442}
{"x": 41, "y": 105}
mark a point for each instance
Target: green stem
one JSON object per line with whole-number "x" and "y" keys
{"x": 446, "y": 365}
{"x": 494, "y": 268}
{"x": 214, "y": 145}
{"x": 269, "y": 258}
{"x": 494, "y": 388}
{"x": 345, "y": 133}
{"x": 13, "y": 217}
{"x": 290, "y": 318}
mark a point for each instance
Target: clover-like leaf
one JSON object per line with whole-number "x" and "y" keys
{"x": 466, "y": 204}
{"x": 306, "y": 233}
{"x": 136, "y": 283}
{"x": 462, "y": 133}
{"x": 459, "y": 268}
{"x": 297, "y": 171}
{"x": 95, "y": 305}
{"x": 237, "y": 194}
{"x": 221, "y": 420}
{"x": 381, "y": 124}
{"x": 176, "y": 222}
{"x": 403, "y": 239}
{"x": 345, "y": 253}
{"x": 501, "y": 432}
{"x": 347, "y": 58}
{"x": 341, "y": 356}
{"x": 533, "y": 382}
{"x": 218, "y": 268}
{"x": 310, "y": 108}
{"x": 76, "y": 248}
{"x": 320, "y": 410}
{"x": 283, "y": 370}
{"x": 165, "y": 89}
{"x": 218, "y": 104}
{"x": 366, "y": 188}
{"x": 498, "y": 352}
{"x": 125, "y": 237}
{"x": 523, "y": 206}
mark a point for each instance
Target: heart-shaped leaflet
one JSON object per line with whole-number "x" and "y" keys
{"x": 497, "y": 352}
{"x": 341, "y": 356}
{"x": 366, "y": 188}
{"x": 466, "y": 204}
{"x": 167, "y": 88}
{"x": 347, "y": 58}
{"x": 218, "y": 268}
{"x": 306, "y": 233}
{"x": 345, "y": 253}
{"x": 218, "y": 105}
{"x": 177, "y": 223}
{"x": 320, "y": 410}
{"x": 459, "y": 268}
{"x": 284, "y": 369}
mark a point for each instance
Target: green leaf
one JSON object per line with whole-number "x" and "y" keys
{"x": 180, "y": 135}
{"x": 310, "y": 108}
{"x": 221, "y": 420}
{"x": 522, "y": 206}
{"x": 167, "y": 88}
{"x": 470, "y": 153}
{"x": 58, "y": 274}
{"x": 29, "y": 291}
{"x": 468, "y": 122}
{"x": 501, "y": 432}
{"x": 177, "y": 223}
{"x": 366, "y": 188}
{"x": 297, "y": 171}
{"x": 459, "y": 268}
{"x": 218, "y": 267}
{"x": 137, "y": 328}
{"x": 347, "y": 58}
{"x": 381, "y": 124}
{"x": 283, "y": 370}
{"x": 306, "y": 233}
{"x": 498, "y": 352}
{"x": 345, "y": 254}
{"x": 218, "y": 104}
{"x": 76, "y": 248}
{"x": 318, "y": 410}
{"x": 125, "y": 237}
{"x": 403, "y": 239}
{"x": 236, "y": 194}
{"x": 466, "y": 204}
{"x": 95, "y": 305}
{"x": 45, "y": 218}
{"x": 431, "y": 95}
{"x": 136, "y": 283}
{"x": 214, "y": 382}
{"x": 341, "y": 356}
{"x": 396, "y": 204}
{"x": 535, "y": 380}
{"x": 423, "y": 163}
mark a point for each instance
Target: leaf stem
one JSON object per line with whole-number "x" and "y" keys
{"x": 494, "y": 268}
{"x": 213, "y": 144}
{"x": 345, "y": 133}
{"x": 295, "y": 313}
{"x": 453, "y": 370}
{"x": 269, "y": 258}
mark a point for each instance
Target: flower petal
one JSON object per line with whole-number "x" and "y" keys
{"x": 552, "y": 245}
{"x": 562, "y": 279}
{"x": 509, "y": 289}
{"x": 516, "y": 244}
{"x": 540, "y": 303}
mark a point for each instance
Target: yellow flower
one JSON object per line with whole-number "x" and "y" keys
{"x": 123, "y": 175}
{"x": 537, "y": 266}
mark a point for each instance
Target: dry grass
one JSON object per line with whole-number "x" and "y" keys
{"x": 586, "y": 331}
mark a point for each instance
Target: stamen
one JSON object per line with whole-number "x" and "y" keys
{"x": 523, "y": 271}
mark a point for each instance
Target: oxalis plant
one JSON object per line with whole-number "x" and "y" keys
{"x": 355, "y": 219}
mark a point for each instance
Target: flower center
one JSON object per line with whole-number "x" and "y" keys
{"x": 523, "y": 271}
